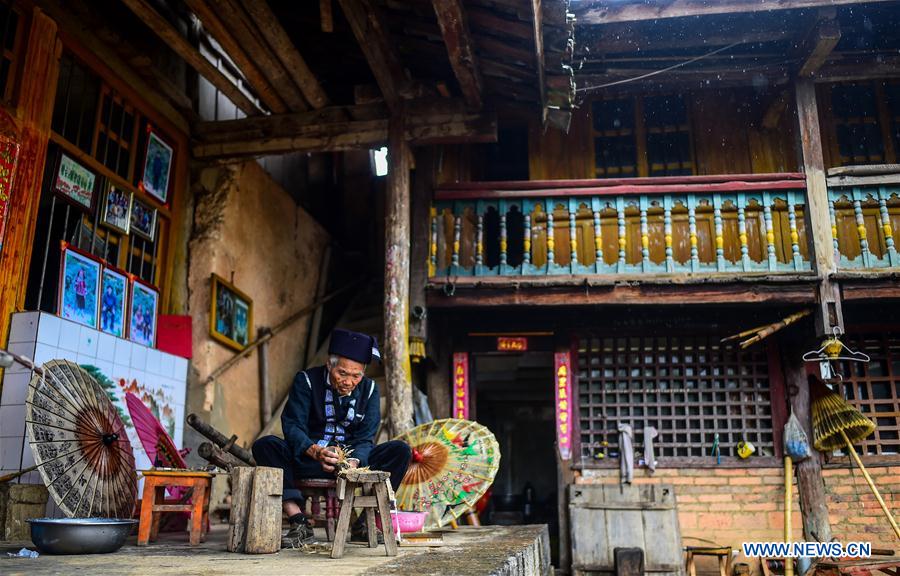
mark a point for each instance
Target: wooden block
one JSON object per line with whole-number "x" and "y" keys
{"x": 629, "y": 561}
{"x": 263, "y": 533}
{"x": 343, "y": 525}
{"x": 241, "y": 487}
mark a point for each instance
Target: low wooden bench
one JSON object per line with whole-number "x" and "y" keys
{"x": 374, "y": 487}
{"x": 154, "y": 502}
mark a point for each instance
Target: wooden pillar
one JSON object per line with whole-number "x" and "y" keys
{"x": 396, "y": 280}
{"x": 810, "y": 483}
{"x": 818, "y": 221}
{"x": 420, "y": 214}
{"x": 438, "y": 378}
{"x": 35, "y": 110}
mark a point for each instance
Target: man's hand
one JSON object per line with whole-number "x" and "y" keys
{"x": 325, "y": 456}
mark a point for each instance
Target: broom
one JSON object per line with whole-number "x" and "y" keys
{"x": 836, "y": 424}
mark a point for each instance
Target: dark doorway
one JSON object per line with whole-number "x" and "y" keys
{"x": 514, "y": 398}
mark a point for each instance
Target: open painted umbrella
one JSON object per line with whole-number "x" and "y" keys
{"x": 156, "y": 441}
{"x": 454, "y": 462}
{"x": 79, "y": 442}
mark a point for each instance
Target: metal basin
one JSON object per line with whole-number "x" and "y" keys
{"x": 79, "y": 535}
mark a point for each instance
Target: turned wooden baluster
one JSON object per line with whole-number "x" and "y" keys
{"x": 861, "y": 228}
{"x": 770, "y": 232}
{"x": 720, "y": 239}
{"x": 645, "y": 234}
{"x": 886, "y": 226}
{"x": 795, "y": 234}
{"x": 598, "y": 234}
{"x": 692, "y": 228}
{"x": 526, "y": 240}
{"x": 742, "y": 232}
{"x": 623, "y": 242}
{"x": 573, "y": 235}
{"x": 667, "y": 230}
{"x": 432, "y": 251}
{"x": 834, "y": 231}
{"x": 479, "y": 241}
{"x": 457, "y": 234}
{"x": 550, "y": 239}
{"x": 503, "y": 237}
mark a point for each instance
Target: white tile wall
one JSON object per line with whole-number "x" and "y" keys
{"x": 123, "y": 352}
{"x": 44, "y": 353}
{"x": 12, "y": 420}
{"x": 25, "y": 349}
{"x": 11, "y": 452}
{"x": 181, "y": 367}
{"x": 167, "y": 365}
{"x": 87, "y": 343}
{"x": 69, "y": 336}
{"x": 154, "y": 362}
{"x": 15, "y": 388}
{"x": 106, "y": 347}
{"x": 24, "y": 327}
{"x": 49, "y": 328}
{"x": 138, "y": 357}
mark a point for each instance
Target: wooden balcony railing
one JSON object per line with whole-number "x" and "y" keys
{"x": 865, "y": 219}
{"x": 699, "y": 224}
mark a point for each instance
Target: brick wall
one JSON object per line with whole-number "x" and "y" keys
{"x": 730, "y": 506}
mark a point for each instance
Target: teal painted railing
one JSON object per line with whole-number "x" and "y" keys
{"x": 864, "y": 224}
{"x": 702, "y": 224}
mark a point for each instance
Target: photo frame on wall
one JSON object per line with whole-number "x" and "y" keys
{"x": 115, "y": 212}
{"x": 113, "y": 301}
{"x": 79, "y": 286}
{"x": 230, "y": 315}
{"x": 143, "y": 220}
{"x": 157, "y": 167}
{"x": 74, "y": 182}
{"x": 143, "y": 312}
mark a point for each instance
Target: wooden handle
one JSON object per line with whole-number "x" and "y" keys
{"x": 788, "y": 492}
{"x": 868, "y": 478}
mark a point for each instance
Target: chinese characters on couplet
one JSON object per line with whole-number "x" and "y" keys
{"x": 461, "y": 385}
{"x": 562, "y": 370}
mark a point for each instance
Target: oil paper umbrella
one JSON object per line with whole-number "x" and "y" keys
{"x": 79, "y": 442}
{"x": 156, "y": 441}
{"x": 454, "y": 462}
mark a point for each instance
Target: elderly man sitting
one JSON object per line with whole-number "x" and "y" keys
{"x": 331, "y": 405}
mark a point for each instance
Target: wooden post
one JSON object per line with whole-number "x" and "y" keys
{"x": 241, "y": 487}
{"x": 265, "y": 397}
{"x": 396, "y": 281}
{"x": 810, "y": 484}
{"x": 36, "y": 97}
{"x": 818, "y": 221}
{"x": 438, "y": 378}
{"x": 420, "y": 216}
{"x": 263, "y": 533}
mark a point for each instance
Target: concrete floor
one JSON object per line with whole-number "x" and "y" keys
{"x": 467, "y": 551}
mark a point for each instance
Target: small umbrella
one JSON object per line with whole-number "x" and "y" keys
{"x": 79, "y": 442}
{"x": 156, "y": 441}
{"x": 454, "y": 462}
{"x": 837, "y": 424}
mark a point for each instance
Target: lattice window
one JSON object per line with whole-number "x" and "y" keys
{"x": 615, "y": 150}
{"x": 10, "y": 42}
{"x": 874, "y": 388}
{"x": 892, "y": 90}
{"x": 689, "y": 387}
{"x": 854, "y": 108}
{"x": 668, "y": 136}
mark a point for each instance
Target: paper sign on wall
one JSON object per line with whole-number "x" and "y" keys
{"x": 461, "y": 385}
{"x": 563, "y": 392}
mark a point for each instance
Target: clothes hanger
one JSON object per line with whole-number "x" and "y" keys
{"x": 833, "y": 349}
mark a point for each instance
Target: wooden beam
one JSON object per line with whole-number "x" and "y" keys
{"x": 326, "y": 16}
{"x": 604, "y": 12}
{"x": 209, "y": 17}
{"x": 340, "y": 128}
{"x": 823, "y": 41}
{"x": 179, "y": 44}
{"x": 538, "y": 19}
{"x": 816, "y": 215}
{"x": 455, "y": 30}
{"x": 287, "y": 53}
{"x": 234, "y": 15}
{"x": 396, "y": 281}
{"x": 374, "y": 39}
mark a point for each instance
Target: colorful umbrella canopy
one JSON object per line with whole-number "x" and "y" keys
{"x": 79, "y": 443}
{"x": 156, "y": 441}
{"x": 454, "y": 462}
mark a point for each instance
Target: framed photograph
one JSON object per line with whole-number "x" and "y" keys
{"x": 115, "y": 212}
{"x": 142, "y": 313}
{"x": 157, "y": 167}
{"x": 143, "y": 220}
{"x": 79, "y": 286}
{"x": 113, "y": 301}
{"x": 74, "y": 182}
{"x": 230, "y": 315}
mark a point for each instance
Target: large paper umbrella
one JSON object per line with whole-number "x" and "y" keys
{"x": 79, "y": 443}
{"x": 156, "y": 441}
{"x": 454, "y": 462}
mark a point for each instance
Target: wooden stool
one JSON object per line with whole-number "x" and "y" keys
{"x": 321, "y": 488}
{"x": 374, "y": 486}
{"x": 154, "y": 502}
{"x": 723, "y": 553}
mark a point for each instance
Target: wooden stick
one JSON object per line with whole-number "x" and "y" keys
{"x": 775, "y": 327}
{"x": 868, "y": 478}
{"x": 788, "y": 492}
{"x": 14, "y": 475}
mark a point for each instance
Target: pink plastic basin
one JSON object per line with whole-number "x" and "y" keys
{"x": 405, "y": 522}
